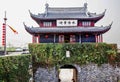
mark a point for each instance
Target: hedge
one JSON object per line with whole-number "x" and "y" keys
{"x": 48, "y": 55}
{"x": 14, "y": 68}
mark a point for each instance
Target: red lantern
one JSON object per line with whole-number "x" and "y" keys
{"x": 3, "y": 42}
{"x": 87, "y": 35}
{"x": 3, "y": 34}
{"x": 3, "y": 26}
{"x": 46, "y": 36}
{"x": 3, "y": 37}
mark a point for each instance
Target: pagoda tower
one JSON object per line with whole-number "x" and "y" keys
{"x": 67, "y": 25}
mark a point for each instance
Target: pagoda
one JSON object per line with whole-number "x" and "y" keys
{"x": 67, "y": 25}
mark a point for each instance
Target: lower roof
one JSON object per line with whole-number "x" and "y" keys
{"x": 94, "y": 30}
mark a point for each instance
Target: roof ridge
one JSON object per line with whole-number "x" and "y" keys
{"x": 65, "y": 8}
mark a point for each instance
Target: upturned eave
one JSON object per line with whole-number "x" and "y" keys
{"x": 58, "y": 30}
{"x": 87, "y": 17}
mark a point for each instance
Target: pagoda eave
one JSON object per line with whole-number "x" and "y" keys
{"x": 89, "y": 17}
{"x": 58, "y": 30}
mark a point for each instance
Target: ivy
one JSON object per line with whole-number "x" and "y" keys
{"x": 15, "y": 68}
{"x": 55, "y": 54}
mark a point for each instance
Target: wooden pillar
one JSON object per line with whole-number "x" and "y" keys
{"x": 34, "y": 39}
{"x": 101, "y": 38}
{"x": 80, "y": 38}
{"x": 92, "y": 24}
{"x": 53, "y": 24}
{"x": 96, "y": 38}
{"x": 71, "y": 38}
{"x": 38, "y": 38}
{"x": 54, "y": 38}
{"x": 80, "y": 24}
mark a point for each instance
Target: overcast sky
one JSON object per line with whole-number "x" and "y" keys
{"x": 17, "y": 13}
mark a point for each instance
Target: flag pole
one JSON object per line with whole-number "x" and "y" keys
{"x": 5, "y": 19}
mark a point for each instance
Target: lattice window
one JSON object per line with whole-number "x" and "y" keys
{"x": 86, "y": 23}
{"x": 47, "y": 24}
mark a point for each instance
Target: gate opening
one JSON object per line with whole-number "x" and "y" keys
{"x": 68, "y": 73}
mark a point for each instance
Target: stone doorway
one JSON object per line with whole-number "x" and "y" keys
{"x": 67, "y": 73}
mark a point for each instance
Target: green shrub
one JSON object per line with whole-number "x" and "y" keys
{"x": 55, "y": 54}
{"x": 15, "y": 68}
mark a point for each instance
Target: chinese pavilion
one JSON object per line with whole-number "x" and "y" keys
{"x": 67, "y": 25}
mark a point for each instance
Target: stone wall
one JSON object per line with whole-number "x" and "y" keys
{"x": 85, "y": 73}
{"x": 104, "y": 73}
{"x": 46, "y": 75}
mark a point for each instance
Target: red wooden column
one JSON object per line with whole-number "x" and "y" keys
{"x": 101, "y": 38}
{"x": 53, "y": 24}
{"x": 41, "y": 24}
{"x": 80, "y": 40}
{"x": 54, "y": 38}
{"x": 92, "y": 24}
{"x": 34, "y": 39}
{"x": 38, "y": 38}
{"x": 96, "y": 38}
{"x": 80, "y": 24}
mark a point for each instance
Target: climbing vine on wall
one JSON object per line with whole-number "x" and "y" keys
{"x": 55, "y": 54}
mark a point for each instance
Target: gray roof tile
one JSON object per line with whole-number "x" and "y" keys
{"x": 38, "y": 30}
{"x": 73, "y": 12}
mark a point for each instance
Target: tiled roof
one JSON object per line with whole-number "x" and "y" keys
{"x": 69, "y": 12}
{"x": 60, "y": 15}
{"x": 66, "y": 15}
{"x": 38, "y": 30}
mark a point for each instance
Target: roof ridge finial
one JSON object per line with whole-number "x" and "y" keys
{"x": 111, "y": 23}
{"x": 29, "y": 11}
{"x": 85, "y": 8}
{"x": 46, "y": 8}
{"x": 104, "y": 11}
{"x": 46, "y": 5}
{"x": 85, "y": 5}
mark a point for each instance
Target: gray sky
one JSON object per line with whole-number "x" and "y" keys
{"x": 17, "y": 13}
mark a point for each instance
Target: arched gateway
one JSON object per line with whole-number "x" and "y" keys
{"x": 67, "y": 73}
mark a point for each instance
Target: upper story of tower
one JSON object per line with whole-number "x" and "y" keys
{"x": 70, "y": 16}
